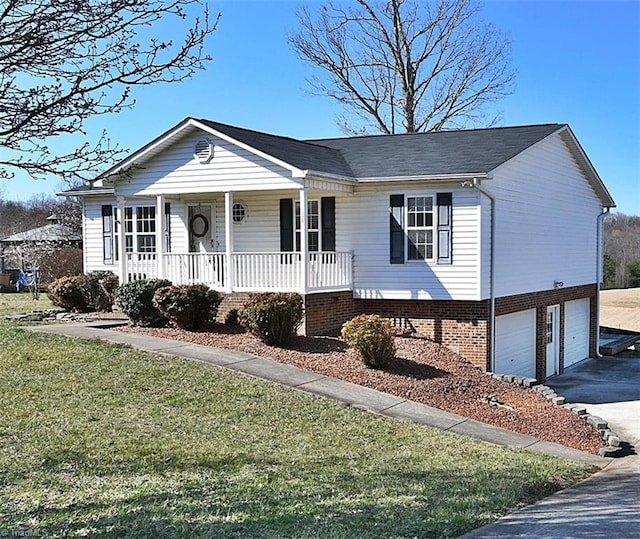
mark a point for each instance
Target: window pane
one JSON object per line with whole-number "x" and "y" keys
{"x": 146, "y": 244}
{"x": 313, "y": 241}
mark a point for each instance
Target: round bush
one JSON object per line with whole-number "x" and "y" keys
{"x": 67, "y": 293}
{"x": 84, "y": 293}
{"x": 273, "y": 318}
{"x": 98, "y": 288}
{"x": 371, "y": 336}
{"x": 135, "y": 299}
{"x": 187, "y": 306}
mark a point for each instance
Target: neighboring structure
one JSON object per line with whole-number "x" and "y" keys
{"x": 53, "y": 235}
{"x": 485, "y": 240}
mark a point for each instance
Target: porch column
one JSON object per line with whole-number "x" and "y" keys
{"x": 304, "y": 248}
{"x": 228, "y": 240}
{"x": 121, "y": 241}
{"x": 160, "y": 218}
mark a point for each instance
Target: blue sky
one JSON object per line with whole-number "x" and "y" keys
{"x": 577, "y": 62}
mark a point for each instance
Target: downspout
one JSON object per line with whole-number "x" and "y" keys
{"x": 475, "y": 183}
{"x": 599, "y": 272}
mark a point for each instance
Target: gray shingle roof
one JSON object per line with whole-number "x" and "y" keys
{"x": 438, "y": 153}
{"x": 300, "y": 154}
{"x": 472, "y": 151}
{"x": 50, "y": 232}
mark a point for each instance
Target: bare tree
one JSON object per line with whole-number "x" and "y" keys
{"x": 406, "y": 65}
{"x": 64, "y": 61}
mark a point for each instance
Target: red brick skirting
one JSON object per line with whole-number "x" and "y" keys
{"x": 463, "y": 326}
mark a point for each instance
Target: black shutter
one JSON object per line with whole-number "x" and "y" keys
{"x": 286, "y": 224}
{"x": 396, "y": 229}
{"x": 167, "y": 227}
{"x": 444, "y": 202}
{"x": 107, "y": 234}
{"x": 328, "y": 210}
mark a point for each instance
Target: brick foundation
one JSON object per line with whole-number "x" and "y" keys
{"x": 230, "y": 302}
{"x": 546, "y": 298}
{"x": 463, "y": 326}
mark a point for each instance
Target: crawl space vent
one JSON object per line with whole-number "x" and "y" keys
{"x": 203, "y": 151}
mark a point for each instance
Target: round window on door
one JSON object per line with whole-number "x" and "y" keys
{"x": 199, "y": 225}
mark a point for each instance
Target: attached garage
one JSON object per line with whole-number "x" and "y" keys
{"x": 515, "y": 341}
{"x": 576, "y": 331}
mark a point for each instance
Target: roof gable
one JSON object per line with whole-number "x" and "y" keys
{"x": 439, "y": 155}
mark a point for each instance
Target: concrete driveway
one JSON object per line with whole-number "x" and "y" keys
{"x": 608, "y": 387}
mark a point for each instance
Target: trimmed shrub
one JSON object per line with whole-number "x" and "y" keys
{"x": 371, "y": 336}
{"x": 98, "y": 288}
{"x": 67, "y": 293}
{"x": 273, "y": 318}
{"x": 187, "y": 306}
{"x": 84, "y": 293}
{"x": 135, "y": 299}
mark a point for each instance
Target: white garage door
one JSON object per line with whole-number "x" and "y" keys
{"x": 576, "y": 331}
{"x": 516, "y": 344}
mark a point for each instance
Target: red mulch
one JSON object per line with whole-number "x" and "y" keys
{"x": 423, "y": 372}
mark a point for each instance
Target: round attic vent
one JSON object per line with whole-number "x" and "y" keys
{"x": 203, "y": 151}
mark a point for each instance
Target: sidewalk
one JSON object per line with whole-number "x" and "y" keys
{"x": 324, "y": 386}
{"x": 606, "y": 504}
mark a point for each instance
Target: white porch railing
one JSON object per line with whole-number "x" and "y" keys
{"x": 195, "y": 268}
{"x": 254, "y": 272}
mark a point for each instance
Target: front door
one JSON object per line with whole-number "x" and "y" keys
{"x": 201, "y": 228}
{"x": 552, "y": 339}
{"x": 201, "y": 240}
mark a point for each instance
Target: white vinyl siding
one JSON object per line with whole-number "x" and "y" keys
{"x": 175, "y": 171}
{"x": 546, "y": 215}
{"x": 576, "y": 331}
{"x": 362, "y": 226}
{"x": 93, "y": 246}
{"x": 516, "y": 344}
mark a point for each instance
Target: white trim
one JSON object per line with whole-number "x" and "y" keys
{"x": 228, "y": 239}
{"x": 304, "y": 251}
{"x": 147, "y": 148}
{"x": 160, "y": 226}
{"x": 295, "y": 172}
{"x": 429, "y": 177}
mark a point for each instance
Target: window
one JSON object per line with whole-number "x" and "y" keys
{"x": 146, "y": 229}
{"x": 139, "y": 229}
{"x": 313, "y": 225}
{"x": 238, "y": 212}
{"x": 420, "y": 228}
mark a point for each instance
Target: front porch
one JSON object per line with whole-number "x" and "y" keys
{"x": 246, "y": 272}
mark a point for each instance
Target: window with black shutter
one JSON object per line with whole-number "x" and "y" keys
{"x": 396, "y": 229}
{"x": 107, "y": 234}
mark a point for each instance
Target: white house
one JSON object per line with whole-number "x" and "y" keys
{"x": 486, "y": 240}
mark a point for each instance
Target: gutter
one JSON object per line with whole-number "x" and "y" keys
{"x": 470, "y": 177}
{"x": 599, "y": 271}
{"x": 474, "y": 183}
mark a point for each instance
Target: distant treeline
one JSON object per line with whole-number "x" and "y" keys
{"x": 621, "y": 251}
{"x": 18, "y": 216}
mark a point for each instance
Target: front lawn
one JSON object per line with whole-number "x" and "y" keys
{"x": 105, "y": 440}
{"x": 23, "y": 302}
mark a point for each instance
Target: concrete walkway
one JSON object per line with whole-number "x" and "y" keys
{"x": 351, "y": 394}
{"x": 605, "y": 505}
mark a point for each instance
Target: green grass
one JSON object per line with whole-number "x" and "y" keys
{"x": 107, "y": 441}
{"x": 23, "y": 303}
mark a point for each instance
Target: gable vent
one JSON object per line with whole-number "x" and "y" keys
{"x": 203, "y": 151}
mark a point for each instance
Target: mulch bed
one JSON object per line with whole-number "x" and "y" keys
{"x": 424, "y": 372}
